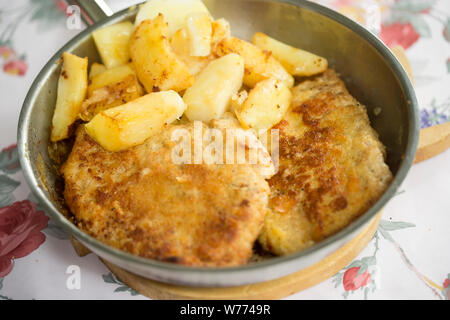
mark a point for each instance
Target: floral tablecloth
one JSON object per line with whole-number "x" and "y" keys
{"x": 409, "y": 256}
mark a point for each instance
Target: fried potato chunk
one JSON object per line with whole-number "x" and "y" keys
{"x": 110, "y": 96}
{"x": 296, "y": 61}
{"x": 157, "y": 66}
{"x": 180, "y": 44}
{"x": 265, "y": 106}
{"x": 199, "y": 30}
{"x": 109, "y": 77}
{"x": 112, "y": 43}
{"x": 132, "y": 123}
{"x": 175, "y": 12}
{"x": 72, "y": 87}
{"x": 259, "y": 64}
{"x": 96, "y": 68}
{"x": 210, "y": 96}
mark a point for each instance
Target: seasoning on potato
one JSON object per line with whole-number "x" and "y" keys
{"x": 296, "y": 61}
{"x": 109, "y": 77}
{"x": 157, "y": 66}
{"x": 72, "y": 87}
{"x": 265, "y": 106}
{"x": 132, "y": 123}
{"x": 112, "y": 95}
{"x": 259, "y": 64}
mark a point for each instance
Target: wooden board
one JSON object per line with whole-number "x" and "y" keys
{"x": 432, "y": 141}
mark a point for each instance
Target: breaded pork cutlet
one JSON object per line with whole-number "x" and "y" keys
{"x": 331, "y": 166}
{"x": 140, "y": 201}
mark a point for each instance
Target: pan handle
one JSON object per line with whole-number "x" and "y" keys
{"x": 92, "y": 11}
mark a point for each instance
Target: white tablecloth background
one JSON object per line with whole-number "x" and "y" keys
{"x": 408, "y": 259}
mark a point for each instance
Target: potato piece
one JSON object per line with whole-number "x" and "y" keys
{"x": 198, "y": 26}
{"x": 180, "y": 45}
{"x": 265, "y": 106}
{"x": 157, "y": 66}
{"x": 96, "y": 69}
{"x": 109, "y": 76}
{"x": 132, "y": 123}
{"x": 209, "y": 97}
{"x": 112, "y": 95}
{"x": 259, "y": 64}
{"x": 175, "y": 12}
{"x": 112, "y": 43}
{"x": 296, "y": 61}
{"x": 72, "y": 86}
{"x": 220, "y": 31}
{"x": 237, "y": 100}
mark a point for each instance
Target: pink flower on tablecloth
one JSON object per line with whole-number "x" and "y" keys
{"x": 16, "y": 67}
{"x": 402, "y": 34}
{"x": 341, "y": 3}
{"x": 62, "y": 5}
{"x": 6, "y": 52}
{"x": 20, "y": 232}
{"x": 446, "y": 285}
{"x": 352, "y": 281}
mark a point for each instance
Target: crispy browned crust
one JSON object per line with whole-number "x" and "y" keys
{"x": 139, "y": 201}
{"x": 110, "y": 96}
{"x": 331, "y": 166}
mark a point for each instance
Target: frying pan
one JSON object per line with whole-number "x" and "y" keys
{"x": 371, "y": 72}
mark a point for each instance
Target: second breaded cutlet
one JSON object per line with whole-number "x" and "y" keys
{"x": 332, "y": 166}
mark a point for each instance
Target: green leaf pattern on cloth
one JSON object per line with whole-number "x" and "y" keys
{"x": 9, "y": 160}
{"x": 110, "y": 278}
{"x": 7, "y": 186}
{"x": 53, "y": 229}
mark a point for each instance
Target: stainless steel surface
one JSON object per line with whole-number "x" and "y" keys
{"x": 370, "y": 70}
{"x": 92, "y": 10}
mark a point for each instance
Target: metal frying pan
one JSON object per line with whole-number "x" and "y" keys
{"x": 371, "y": 72}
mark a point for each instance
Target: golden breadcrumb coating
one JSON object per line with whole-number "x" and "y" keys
{"x": 331, "y": 170}
{"x": 140, "y": 201}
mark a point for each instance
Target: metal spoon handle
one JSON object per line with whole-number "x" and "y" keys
{"x": 92, "y": 11}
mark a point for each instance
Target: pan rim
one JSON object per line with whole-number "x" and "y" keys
{"x": 227, "y": 273}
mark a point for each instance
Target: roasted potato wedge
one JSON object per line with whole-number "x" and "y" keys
{"x": 109, "y": 76}
{"x": 110, "y": 96}
{"x": 157, "y": 66}
{"x": 112, "y": 43}
{"x": 259, "y": 64}
{"x": 72, "y": 87}
{"x": 210, "y": 95}
{"x": 132, "y": 123}
{"x": 199, "y": 29}
{"x": 96, "y": 69}
{"x": 220, "y": 31}
{"x": 296, "y": 61}
{"x": 265, "y": 106}
{"x": 181, "y": 46}
{"x": 175, "y": 12}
